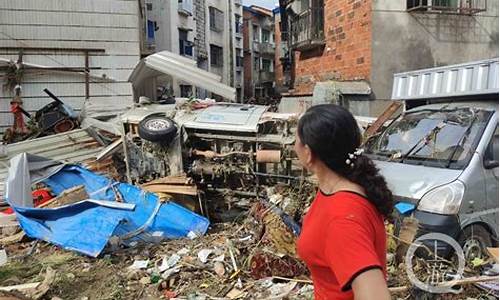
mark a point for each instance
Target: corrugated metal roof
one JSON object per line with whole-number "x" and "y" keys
{"x": 168, "y": 63}
{"x": 474, "y": 78}
{"x": 72, "y": 147}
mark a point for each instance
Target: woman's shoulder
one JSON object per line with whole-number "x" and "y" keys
{"x": 348, "y": 204}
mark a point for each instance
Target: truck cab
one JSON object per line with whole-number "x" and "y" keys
{"x": 440, "y": 157}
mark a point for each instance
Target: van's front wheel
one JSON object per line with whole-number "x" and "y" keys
{"x": 474, "y": 241}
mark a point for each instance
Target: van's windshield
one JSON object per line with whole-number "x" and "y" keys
{"x": 441, "y": 138}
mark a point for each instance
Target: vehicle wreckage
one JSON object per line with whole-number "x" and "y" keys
{"x": 207, "y": 139}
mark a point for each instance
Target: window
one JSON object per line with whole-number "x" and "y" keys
{"x": 491, "y": 155}
{"x": 216, "y": 19}
{"x": 256, "y": 63}
{"x": 307, "y": 27}
{"x": 186, "y": 91}
{"x": 185, "y": 46}
{"x": 238, "y": 25}
{"x": 452, "y": 137}
{"x": 451, "y": 6}
{"x": 256, "y": 33}
{"x": 150, "y": 31}
{"x": 216, "y": 56}
{"x": 266, "y": 65}
{"x": 149, "y": 6}
{"x": 266, "y": 36}
{"x": 239, "y": 58}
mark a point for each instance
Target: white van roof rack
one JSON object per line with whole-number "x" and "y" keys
{"x": 474, "y": 78}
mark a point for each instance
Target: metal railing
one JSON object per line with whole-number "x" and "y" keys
{"x": 266, "y": 76}
{"x": 307, "y": 29}
{"x": 462, "y": 7}
{"x": 266, "y": 48}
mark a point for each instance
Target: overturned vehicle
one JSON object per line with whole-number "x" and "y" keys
{"x": 209, "y": 140}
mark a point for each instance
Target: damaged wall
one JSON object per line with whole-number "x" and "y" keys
{"x": 54, "y": 33}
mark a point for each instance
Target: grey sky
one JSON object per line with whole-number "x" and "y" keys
{"x": 264, "y": 3}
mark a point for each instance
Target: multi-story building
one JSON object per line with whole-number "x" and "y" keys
{"x": 206, "y": 31}
{"x": 259, "y": 52}
{"x": 346, "y": 51}
{"x": 169, "y": 25}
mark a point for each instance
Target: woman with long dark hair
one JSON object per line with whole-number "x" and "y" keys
{"x": 343, "y": 239}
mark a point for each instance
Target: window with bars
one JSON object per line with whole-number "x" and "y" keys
{"x": 216, "y": 19}
{"x": 256, "y": 36}
{"x": 239, "y": 58}
{"x": 216, "y": 56}
{"x": 446, "y": 6}
{"x": 307, "y": 26}
{"x": 185, "y": 46}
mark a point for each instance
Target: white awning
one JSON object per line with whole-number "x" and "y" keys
{"x": 168, "y": 63}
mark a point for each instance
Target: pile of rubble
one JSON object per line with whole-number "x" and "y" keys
{"x": 213, "y": 213}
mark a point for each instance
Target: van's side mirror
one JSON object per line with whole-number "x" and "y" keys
{"x": 491, "y": 164}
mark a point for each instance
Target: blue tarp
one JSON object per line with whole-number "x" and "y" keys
{"x": 87, "y": 226}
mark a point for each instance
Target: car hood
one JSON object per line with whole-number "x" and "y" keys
{"x": 411, "y": 182}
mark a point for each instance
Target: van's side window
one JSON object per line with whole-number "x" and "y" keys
{"x": 492, "y": 150}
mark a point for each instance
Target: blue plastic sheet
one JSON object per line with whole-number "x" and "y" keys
{"x": 405, "y": 207}
{"x": 87, "y": 226}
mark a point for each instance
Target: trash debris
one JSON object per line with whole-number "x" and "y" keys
{"x": 3, "y": 257}
{"x": 204, "y": 254}
{"x": 140, "y": 215}
{"x": 139, "y": 264}
{"x": 169, "y": 263}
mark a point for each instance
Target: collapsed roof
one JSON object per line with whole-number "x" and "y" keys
{"x": 177, "y": 66}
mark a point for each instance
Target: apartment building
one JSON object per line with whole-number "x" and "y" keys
{"x": 346, "y": 51}
{"x": 259, "y": 52}
{"x": 206, "y": 31}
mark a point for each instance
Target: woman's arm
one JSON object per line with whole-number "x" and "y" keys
{"x": 370, "y": 285}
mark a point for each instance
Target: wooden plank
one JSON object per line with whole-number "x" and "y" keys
{"x": 386, "y": 115}
{"x": 172, "y": 189}
{"x": 173, "y": 180}
{"x": 20, "y": 287}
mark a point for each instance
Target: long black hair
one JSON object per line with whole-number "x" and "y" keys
{"x": 332, "y": 133}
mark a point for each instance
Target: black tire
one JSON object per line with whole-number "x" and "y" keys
{"x": 157, "y": 129}
{"x": 474, "y": 241}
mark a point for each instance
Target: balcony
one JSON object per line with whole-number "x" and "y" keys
{"x": 186, "y": 7}
{"x": 267, "y": 23}
{"x": 460, "y": 7}
{"x": 266, "y": 76}
{"x": 307, "y": 29}
{"x": 256, "y": 46}
{"x": 266, "y": 48}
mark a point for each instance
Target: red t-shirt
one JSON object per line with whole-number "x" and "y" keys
{"x": 342, "y": 236}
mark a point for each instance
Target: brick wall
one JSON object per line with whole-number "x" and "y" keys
{"x": 278, "y": 66}
{"x": 347, "y": 53}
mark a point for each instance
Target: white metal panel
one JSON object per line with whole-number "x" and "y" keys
{"x": 120, "y": 48}
{"x": 75, "y": 60}
{"x": 168, "y": 63}
{"x": 110, "y": 25}
{"x": 72, "y": 147}
{"x": 468, "y": 79}
{"x": 98, "y": 76}
{"x": 63, "y": 33}
{"x": 97, "y": 6}
{"x": 58, "y": 18}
